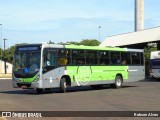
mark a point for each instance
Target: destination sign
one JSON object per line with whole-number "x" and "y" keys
{"x": 28, "y": 48}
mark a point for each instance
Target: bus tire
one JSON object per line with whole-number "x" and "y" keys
{"x": 63, "y": 85}
{"x": 39, "y": 91}
{"x": 118, "y": 82}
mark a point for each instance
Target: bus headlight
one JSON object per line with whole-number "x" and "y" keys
{"x": 37, "y": 78}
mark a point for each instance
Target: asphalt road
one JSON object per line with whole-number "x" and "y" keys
{"x": 136, "y": 96}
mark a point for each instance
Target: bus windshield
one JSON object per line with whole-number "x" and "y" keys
{"x": 155, "y": 63}
{"x": 26, "y": 61}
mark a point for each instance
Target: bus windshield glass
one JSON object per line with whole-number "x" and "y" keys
{"x": 26, "y": 61}
{"x": 155, "y": 63}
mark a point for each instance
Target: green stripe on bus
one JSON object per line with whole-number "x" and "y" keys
{"x": 94, "y": 48}
{"x": 28, "y": 80}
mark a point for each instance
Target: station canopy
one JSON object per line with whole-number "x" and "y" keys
{"x": 137, "y": 40}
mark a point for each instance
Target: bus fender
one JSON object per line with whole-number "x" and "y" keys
{"x": 68, "y": 79}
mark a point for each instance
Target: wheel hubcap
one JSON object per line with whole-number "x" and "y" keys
{"x": 118, "y": 82}
{"x": 65, "y": 85}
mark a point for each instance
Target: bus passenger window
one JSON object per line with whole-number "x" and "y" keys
{"x": 126, "y": 59}
{"x": 48, "y": 59}
{"x": 124, "y": 62}
{"x": 115, "y": 58}
{"x": 78, "y": 57}
{"x": 62, "y": 61}
{"x": 62, "y": 57}
{"x": 135, "y": 58}
{"x": 103, "y": 58}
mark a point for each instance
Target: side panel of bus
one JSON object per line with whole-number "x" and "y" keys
{"x": 52, "y": 78}
{"x": 89, "y": 75}
{"x": 136, "y": 73}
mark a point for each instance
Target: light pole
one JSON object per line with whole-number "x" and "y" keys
{"x": 4, "y": 58}
{"x": 99, "y": 33}
{"x": 1, "y": 47}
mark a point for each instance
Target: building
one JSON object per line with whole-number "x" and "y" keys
{"x": 8, "y": 68}
{"x": 137, "y": 40}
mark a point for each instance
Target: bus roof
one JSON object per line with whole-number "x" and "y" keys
{"x": 94, "y": 47}
{"x": 71, "y": 46}
{"x": 101, "y": 48}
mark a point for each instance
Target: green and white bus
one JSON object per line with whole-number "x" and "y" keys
{"x": 44, "y": 66}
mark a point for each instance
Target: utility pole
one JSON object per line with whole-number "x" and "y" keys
{"x": 1, "y": 48}
{"x": 5, "y": 69}
{"x": 99, "y": 32}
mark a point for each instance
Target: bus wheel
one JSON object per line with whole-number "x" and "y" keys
{"x": 118, "y": 82}
{"x": 63, "y": 85}
{"x": 39, "y": 91}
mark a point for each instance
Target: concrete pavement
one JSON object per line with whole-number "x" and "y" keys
{"x": 5, "y": 76}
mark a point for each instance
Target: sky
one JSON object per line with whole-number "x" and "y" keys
{"x": 37, "y": 21}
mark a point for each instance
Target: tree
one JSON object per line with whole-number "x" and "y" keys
{"x": 147, "y": 50}
{"x": 50, "y": 42}
{"x": 90, "y": 42}
{"x": 8, "y": 54}
{"x": 86, "y": 42}
{"x": 72, "y": 42}
{"x": 0, "y": 52}
{"x": 61, "y": 43}
{"x": 11, "y": 54}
